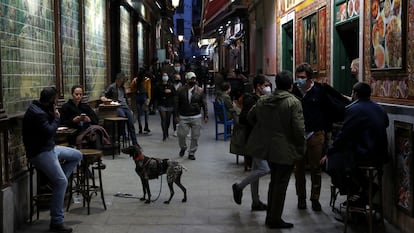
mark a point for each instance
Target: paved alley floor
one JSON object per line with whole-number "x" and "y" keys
{"x": 210, "y": 207}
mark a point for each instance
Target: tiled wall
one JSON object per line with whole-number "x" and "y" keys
{"x": 70, "y": 45}
{"x": 95, "y": 47}
{"x": 27, "y": 51}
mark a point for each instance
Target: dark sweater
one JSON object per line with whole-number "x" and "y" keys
{"x": 315, "y": 109}
{"x": 39, "y": 129}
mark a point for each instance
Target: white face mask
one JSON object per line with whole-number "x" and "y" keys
{"x": 177, "y": 68}
{"x": 267, "y": 90}
{"x": 165, "y": 78}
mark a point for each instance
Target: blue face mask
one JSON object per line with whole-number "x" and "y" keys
{"x": 165, "y": 78}
{"x": 300, "y": 82}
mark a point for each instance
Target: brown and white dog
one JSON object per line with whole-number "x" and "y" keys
{"x": 149, "y": 168}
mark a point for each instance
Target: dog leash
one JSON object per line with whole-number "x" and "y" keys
{"x": 159, "y": 192}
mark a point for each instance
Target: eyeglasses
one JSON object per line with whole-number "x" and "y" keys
{"x": 303, "y": 77}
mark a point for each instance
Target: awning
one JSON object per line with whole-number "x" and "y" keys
{"x": 214, "y": 8}
{"x": 210, "y": 26}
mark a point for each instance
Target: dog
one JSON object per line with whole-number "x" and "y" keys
{"x": 149, "y": 168}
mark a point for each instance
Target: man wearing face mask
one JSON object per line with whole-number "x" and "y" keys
{"x": 260, "y": 167}
{"x": 189, "y": 102}
{"x": 316, "y": 110}
{"x": 40, "y": 123}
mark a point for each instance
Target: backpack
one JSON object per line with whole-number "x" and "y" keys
{"x": 336, "y": 104}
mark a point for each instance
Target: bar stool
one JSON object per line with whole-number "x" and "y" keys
{"x": 82, "y": 186}
{"x": 38, "y": 199}
{"x": 116, "y": 136}
{"x": 370, "y": 210}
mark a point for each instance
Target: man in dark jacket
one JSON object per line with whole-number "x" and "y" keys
{"x": 40, "y": 123}
{"x": 189, "y": 101}
{"x": 116, "y": 92}
{"x": 364, "y": 135}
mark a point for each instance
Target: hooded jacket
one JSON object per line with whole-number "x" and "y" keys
{"x": 39, "y": 129}
{"x": 278, "y": 133}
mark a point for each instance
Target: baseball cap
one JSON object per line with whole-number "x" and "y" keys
{"x": 190, "y": 75}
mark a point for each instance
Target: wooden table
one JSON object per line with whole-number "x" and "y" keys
{"x": 62, "y": 134}
{"x": 107, "y": 110}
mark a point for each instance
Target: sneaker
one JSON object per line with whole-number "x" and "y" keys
{"x": 237, "y": 194}
{"x": 61, "y": 228}
{"x": 191, "y": 157}
{"x": 301, "y": 203}
{"x": 140, "y": 131}
{"x": 175, "y": 133}
{"x": 182, "y": 151}
{"x": 259, "y": 206}
{"x": 147, "y": 130}
{"x": 316, "y": 206}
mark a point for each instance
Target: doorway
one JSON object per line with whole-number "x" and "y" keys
{"x": 345, "y": 49}
{"x": 287, "y": 46}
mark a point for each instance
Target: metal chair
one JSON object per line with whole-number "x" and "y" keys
{"x": 220, "y": 117}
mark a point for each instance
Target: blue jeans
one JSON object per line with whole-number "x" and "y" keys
{"x": 125, "y": 112}
{"x": 259, "y": 168}
{"x": 57, "y": 173}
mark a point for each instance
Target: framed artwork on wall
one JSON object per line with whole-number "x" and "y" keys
{"x": 299, "y": 57}
{"x": 403, "y": 134}
{"x": 388, "y": 28}
{"x": 310, "y": 40}
{"x": 322, "y": 38}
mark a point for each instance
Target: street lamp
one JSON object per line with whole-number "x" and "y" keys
{"x": 175, "y": 3}
{"x": 181, "y": 40}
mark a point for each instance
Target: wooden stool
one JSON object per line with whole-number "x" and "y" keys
{"x": 35, "y": 199}
{"x": 90, "y": 156}
{"x": 371, "y": 209}
{"x": 116, "y": 136}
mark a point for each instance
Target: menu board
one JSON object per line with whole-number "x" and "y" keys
{"x": 347, "y": 10}
{"x": 386, "y": 34}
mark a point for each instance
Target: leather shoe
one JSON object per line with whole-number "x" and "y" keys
{"x": 280, "y": 225}
{"x": 237, "y": 194}
{"x": 316, "y": 206}
{"x": 301, "y": 204}
{"x": 259, "y": 206}
{"x": 61, "y": 228}
{"x": 191, "y": 157}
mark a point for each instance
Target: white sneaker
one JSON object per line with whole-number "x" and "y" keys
{"x": 175, "y": 133}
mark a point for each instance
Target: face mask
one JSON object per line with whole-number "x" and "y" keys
{"x": 267, "y": 90}
{"x": 191, "y": 83}
{"x": 177, "y": 68}
{"x": 300, "y": 82}
{"x": 164, "y": 78}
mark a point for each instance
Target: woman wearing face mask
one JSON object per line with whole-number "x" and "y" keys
{"x": 164, "y": 96}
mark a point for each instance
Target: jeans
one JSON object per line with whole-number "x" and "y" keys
{"x": 259, "y": 168}
{"x": 57, "y": 173}
{"x": 125, "y": 112}
{"x": 183, "y": 128}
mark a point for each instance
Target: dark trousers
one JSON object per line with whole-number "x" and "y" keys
{"x": 279, "y": 180}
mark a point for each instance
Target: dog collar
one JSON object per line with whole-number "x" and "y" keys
{"x": 139, "y": 157}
